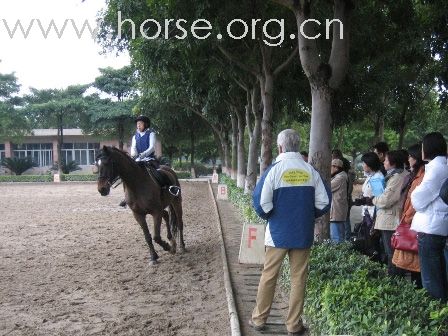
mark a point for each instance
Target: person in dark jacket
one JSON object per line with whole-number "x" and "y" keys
{"x": 381, "y": 149}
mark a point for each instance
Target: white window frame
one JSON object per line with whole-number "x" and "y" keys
{"x": 44, "y": 155}
{"x": 89, "y": 152}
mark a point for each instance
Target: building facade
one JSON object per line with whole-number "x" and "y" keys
{"x": 41, "y": 145}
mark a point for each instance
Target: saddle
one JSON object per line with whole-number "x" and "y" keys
{"x": 162, "y": 179}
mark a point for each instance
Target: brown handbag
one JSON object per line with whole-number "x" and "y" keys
{"x": 404, "y": 238}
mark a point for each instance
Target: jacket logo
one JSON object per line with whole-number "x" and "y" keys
{"x": 295, "y": 176}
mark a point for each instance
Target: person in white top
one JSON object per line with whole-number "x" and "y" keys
{"x": 143, "y": 149}
{"x": 144, "y": 141}
{"x": 431, "y": 217}
{"x": 371, "y": 165}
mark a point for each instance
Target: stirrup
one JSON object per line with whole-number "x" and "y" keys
{"x": 174, "y": 190}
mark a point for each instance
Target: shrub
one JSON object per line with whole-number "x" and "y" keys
{"x": 199, "y": 169}
{"x": 241, "y": 200}
{"x": 349, "y": 294}
{"x": 18, "y": 165}
{"x": 68, "y": 167}
{"x": 183, "y": 175}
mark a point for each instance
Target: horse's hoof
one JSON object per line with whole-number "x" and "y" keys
{"x": 173, "y": 247}
{"x": 153, "y": 262}
{"x": 182, "y": 249}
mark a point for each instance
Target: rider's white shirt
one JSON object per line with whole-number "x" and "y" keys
{"x": 151, "y": 149}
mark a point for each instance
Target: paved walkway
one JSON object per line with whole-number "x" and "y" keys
{"x": 245, "y": 277}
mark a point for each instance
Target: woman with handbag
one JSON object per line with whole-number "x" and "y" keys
{"x": 431, "y": 218}
{"x": 388, "y": 204}
{"x": 373, "y": 186}
{"x": 404, "y": 240}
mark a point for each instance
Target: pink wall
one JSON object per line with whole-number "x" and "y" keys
{"x": 8, "y": 149}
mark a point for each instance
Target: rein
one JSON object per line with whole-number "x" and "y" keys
{"x": 110, "y": 181}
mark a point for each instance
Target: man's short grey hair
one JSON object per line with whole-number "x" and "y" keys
{"x": 289, "y": 140}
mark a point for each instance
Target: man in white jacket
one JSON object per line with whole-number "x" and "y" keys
{"x": 431, "y": 217}
{"x": 289, "y": 195}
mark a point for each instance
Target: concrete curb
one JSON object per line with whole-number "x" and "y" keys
{"x": 233, "y": 313}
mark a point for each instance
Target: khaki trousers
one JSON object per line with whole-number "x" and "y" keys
{"x": 298, "y": 262}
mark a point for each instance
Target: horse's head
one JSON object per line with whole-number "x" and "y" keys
{"x": 107, "y": 171}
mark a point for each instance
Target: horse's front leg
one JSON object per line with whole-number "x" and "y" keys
{"x": 157, "y": 238}
{"x": 142, "y": 221}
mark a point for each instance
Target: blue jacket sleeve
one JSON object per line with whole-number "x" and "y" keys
{"x": 256, "y": 196}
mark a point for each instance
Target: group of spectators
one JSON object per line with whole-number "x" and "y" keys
{"x": 405, "y": 191}
{"x": 403, "y": 195}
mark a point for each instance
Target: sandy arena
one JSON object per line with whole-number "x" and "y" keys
{"x": 74, "y": 263}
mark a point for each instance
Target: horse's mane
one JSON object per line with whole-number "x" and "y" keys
{"x": 124, "y": 154}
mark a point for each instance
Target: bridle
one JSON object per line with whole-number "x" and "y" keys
{"x": 110, "y": 180}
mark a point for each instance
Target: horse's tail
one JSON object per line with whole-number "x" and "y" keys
{"x": 173, "y": 221}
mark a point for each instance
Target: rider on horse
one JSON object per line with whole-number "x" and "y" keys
{"x": 144, "y": 141}
{"x": 143, "y": 150}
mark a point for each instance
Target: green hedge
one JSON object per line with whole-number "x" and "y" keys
{"x": 241, "y": 200}
{"x": 26, "y": 178}
{"x": 79, "y": 177}
{"x": 47, "y": 178}
{"x": 349, "y": 294}
{"x": 183, "y": 175}
{"x": 199, "y": 168}
{"x": 65, "y": 177}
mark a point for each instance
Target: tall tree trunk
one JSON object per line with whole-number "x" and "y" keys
{"x": 320, "y": 142}
{"x": 267, "y": 88}
{"x": 266, "y": 81}
{"x": 354, "y": 152}
{"x": 402, "y": 126}
{"x": 120, "y": 128}
{"x": 192, "y": 139}
{"x": 60, "y": 143}
{"x": 379, "y": 129}
{"x": 223, "y": 135}
{"x": 340, "y": 138}
{"x": 252, "y": 160}
{"x": 220, "y": 149}
{"x": 324, "y": 79}
{"x": 234, "y": 146}
{"x": 241, "y": 162}
{"x": 227, "y": 153}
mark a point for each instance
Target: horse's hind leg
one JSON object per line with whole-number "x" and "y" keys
{"x": 157, "y": 223}
{"x": 142, "y": 221}
{"x": 177, "y": 207}
{"x": 169, "y": 236}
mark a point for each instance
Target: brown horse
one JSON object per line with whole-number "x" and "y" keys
{"x": 143, "y": 196}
